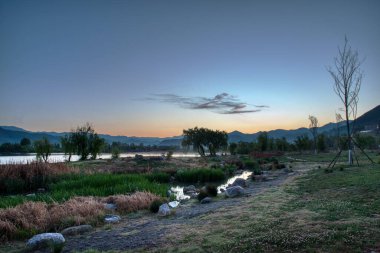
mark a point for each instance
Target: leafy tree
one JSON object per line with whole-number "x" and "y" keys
{"x": 281, "y": 144}
{"x": 25, "y": 142}
{"x": 302, "y": 143}
{"x": 95, "y": 145}
{"x": 68, "y": 145}
{"x": 232, "y": 148}
{"x": 321, "y": 143}
{"x": 202, "y": 138}
{"x": 86, "y": 142}
{"x": 43, "y": 149}
{"x": 262, "y": 141}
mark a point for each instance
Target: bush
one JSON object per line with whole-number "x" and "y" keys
{"x": 115, "y": 153}
{"x": 155, "y": 205}
{"x": 251, "y": 165}
{"x": 211, "y": 190}
{"x": 328, "y": 170}
{"x": 257, "y": 171}
{"x": 200, "y": 175}
{"x": 202, "y": 194}
{"x": 169, "y": 155}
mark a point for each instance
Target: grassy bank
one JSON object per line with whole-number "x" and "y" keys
{"x": 334, "y": 212}
{"x": 99, "y": 184}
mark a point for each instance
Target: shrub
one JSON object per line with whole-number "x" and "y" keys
{"x": 200, "y": 175}
{"x": 169, "y": 155}
{"x": 328, "y": 170}
{"x": 202, "y": 194}
{"x": 257, "y": 171}
{"x": 251, "y": 165}
{"x": 211, "y": 190}
{"x": 115, "y": 153}
{"x": 155, "y": 205}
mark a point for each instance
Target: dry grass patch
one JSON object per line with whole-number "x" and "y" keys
{"x": 134, "y": 202}
{"x": 30, "y": 218}
{"x": 18, "y": 178}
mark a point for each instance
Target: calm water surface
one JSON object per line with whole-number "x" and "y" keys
{"x": 55, "y": 158}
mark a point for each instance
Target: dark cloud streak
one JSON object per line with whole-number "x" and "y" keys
{"x": 223, "y": 103}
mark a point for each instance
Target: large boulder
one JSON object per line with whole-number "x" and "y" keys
{"x": 189, "y": 189}
{"x": 40, "y": 241}
{"x": 164, "y": 210}
{"x": 234, "y": 191}
{"x": 240, "y": 182}
{"x": 76, "y": 230}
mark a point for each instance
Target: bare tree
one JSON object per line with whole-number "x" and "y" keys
{"x": 314, "y": 130}
{"x": 347, "y": 77}
{"x": 338, "y": 118}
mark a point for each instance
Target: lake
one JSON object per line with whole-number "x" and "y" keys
{"x": 60, "y": 157}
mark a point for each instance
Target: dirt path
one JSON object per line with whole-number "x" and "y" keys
{"x": 148, "y": 230}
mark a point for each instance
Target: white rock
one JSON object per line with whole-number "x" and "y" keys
{"x": 45, "y": 240}
{"x": 164, "y": 210}
{"x": 173, "y": 204}
{"x": 110, "y": 218}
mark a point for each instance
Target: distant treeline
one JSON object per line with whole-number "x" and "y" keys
{"x": 26, "y": 146}
{"x": 302, "y": 143}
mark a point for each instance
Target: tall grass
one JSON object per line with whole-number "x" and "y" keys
{"x": 200, "y": 175}
{"x": 103, "y": 184}
{"x": 31, "y": 218}
{"x": 19, "y": 178}
{"x": 99, "y": 184}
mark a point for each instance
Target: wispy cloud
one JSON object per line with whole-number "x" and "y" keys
{"x": 223, "y": 103}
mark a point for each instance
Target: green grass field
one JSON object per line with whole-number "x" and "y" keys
{"x": 318, "y": 212}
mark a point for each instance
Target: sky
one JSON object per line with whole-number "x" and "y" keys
{"x": 154, "y": 68}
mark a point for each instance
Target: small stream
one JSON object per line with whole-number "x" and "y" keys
{"x": 180, "y": 195}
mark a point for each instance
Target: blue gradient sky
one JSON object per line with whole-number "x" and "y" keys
{"x": 64, "y": 63}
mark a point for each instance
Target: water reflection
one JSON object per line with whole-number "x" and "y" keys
{"x": 180, "y": 195}
{"x": 60, "y": 157}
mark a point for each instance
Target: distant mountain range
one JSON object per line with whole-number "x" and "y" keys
{"x": 368, "y": 120}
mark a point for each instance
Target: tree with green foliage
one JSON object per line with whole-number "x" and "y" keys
{"x": 43, "y": 149}
{"x": 86, "y": 142}
{"x": 68, "y": 145}
{"x": 202, "y": 138}
{"x": 232, "y": 148}
{"x": 262, "y": 141}
{"x": 25, "y": 142}
{"x": 321, "y": 143}
{"x": 303, "y": 143}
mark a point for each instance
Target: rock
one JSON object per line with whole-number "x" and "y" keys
{"x": 239, "y": 182}
{"x": 190, "y": 188}
{"x": 54, "y": 240}
{"x": 31, "y": 195}
{"x": 234, "y": 191}
{"x": 110, "y": 206}
{"x": 173, "y": 204}
{"x": 168, "y": 193}
{"x": 206, "y": 200}
{"x": 76, "y": 230}
{"x": 164, "y": 210}
{"x": 110, "y": 218}
{"x": 222, "y": 190}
